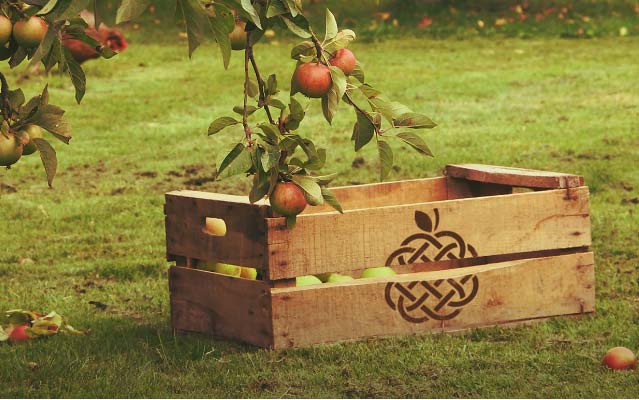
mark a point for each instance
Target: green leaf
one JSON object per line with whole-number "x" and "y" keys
{"x": 271, "y": 158}
{"x": 230, "y": 158}
{"x": 312, "y": 190}
{"x": 341, "y": 40}
{"x": 16, "y": 98}
{"x": 247, "y": 5}
{"x": 275, "y": 8}
{"x": 261, "y": 181}
{"x": 271, "y": 85}
{"x": 291, "y": 221}
{"x": 415, "y": 142}
{"x": 276, "y": 103}
{"x": 220, "y": 26}
{"x": 306, "y": 48}
{"x": 331, "y": 200}
{"x": 358, "y": 72}
{"x": 48, "y": 156}
{"x": 413, "y": 120}
{"x": 271, "y": 132}
{"x": 78, "y": 79}
{"x": 390, "y": 110}
{"x": 221, "y": 123}
{"x": 331, "y": 100}
{"x": 130, "y": 9}
{"x": 197, "y": 22}
{"x": 363, "y": 131}
{"x": 331, "y": 26}
{"x": 385, "y": 159}
{"x": 294, "y": 6}
{"x": 249, "y": 109}
{"x": 253, "y": 89}
{"x": 300, "y": 31}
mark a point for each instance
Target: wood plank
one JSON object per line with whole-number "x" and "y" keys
{"x": 482, "y": 226}
{"x": 462, "y": 189}
{"x": 514, "y": 176}
{"x": 410, "y": 304}
{"x": 244, "y": 243}
{"x": 220, "y": 305}
{"x": 385, "y": 194}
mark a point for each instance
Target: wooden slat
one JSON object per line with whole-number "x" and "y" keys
{"x": 493, "y": 225}
{"x": 386, "y": 194}
{"x": 219, "y": 305}
{"x": 244, "y": 243}
{"x": 462, "y": 189}
{"x": 514, "y": 176}
{"x": 506, "y": 292}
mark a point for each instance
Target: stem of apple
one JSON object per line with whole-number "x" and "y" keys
{"x": 247, "y": 130}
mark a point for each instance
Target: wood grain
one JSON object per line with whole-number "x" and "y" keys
{"x": 220, "y": 305}
{"x": 507, "y": 292}
{"x": 507, "y": 224}
{"x": 513, "y": 176}
{"x": 244, "y": 243}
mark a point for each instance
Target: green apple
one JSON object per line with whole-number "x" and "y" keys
{"x": 33, "y": 131}
{"x": 377, "y": 272}
{"x": 307, "y": 280}
{"x": 220, "y": 268}
{"x": 215, "y": 226}
{"x": 335, "y": 278}
{"x": 248, "y": 273}
{"x": 323, "y": 277}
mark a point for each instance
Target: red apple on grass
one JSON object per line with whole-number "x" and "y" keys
{"x": 30, "y": 32}
{"x": 312, "y": 79}
{"x": 288, "y": 199}
{"x": 345, "y": 60}
{"x": 6, "y": 27}
{"x": 18, "y": 333}
{"x": 619, "y": 358}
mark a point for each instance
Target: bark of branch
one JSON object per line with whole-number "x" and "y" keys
{"x": 260, "y": 85}
{"x": 247, "y": 130}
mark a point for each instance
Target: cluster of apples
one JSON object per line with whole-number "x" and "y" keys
{"x": 334, "y": 277}
{"x": 28, "y": 33}
{"x": 313, "y": 79}
{"x": 13, "y": 147}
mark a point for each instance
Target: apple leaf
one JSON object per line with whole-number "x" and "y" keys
{"x": 221, "y": 123}
{"x": 415, "y": 142}
{"x": 275, "y": 8}
{"x": 358, "y": 72}
{"x": 271, "y": 85}
{"x": 130, "y": 9}
{"x": 230, "y": 158}
{"x": 220, "y": 25}
{"x": 48, "y": 156}
{"x": 197, "y": 22}
{"x": 363, "y": 131}
{"x": 306, "y": 48}
{"x": 385, "y": 159}
{"x": 312, "y": 190}
{"x": 340, "y": 40}
{"x": 331, "y": 100}
{"x": 292, "y": 25}
{"x": 248, "y": 6}
{"x": 413, "y": 120}
{"x": 331, "y": 200}
{"x": 331, "y": 26}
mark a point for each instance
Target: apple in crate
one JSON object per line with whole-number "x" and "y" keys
{"x": 307, "y": 280}
{"x": 378, "y": 272}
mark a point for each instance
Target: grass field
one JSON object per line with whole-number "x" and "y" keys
{"x": 570, "y": 106}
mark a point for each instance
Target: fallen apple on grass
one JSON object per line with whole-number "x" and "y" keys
{"x": 377, "y": 272}
{"x": 620, "y": 358}
{"x": 18, "y": 333}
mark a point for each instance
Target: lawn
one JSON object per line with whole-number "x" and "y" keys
{"x": 98, "y": 236}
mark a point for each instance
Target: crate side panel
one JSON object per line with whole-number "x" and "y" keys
{"x": 244, "y": 243}
{"x": 215, "y": 304}
{"x": 426, "y": 232}
{"x": 514, "y": 176}
{"x": 431, "y": 302}
{"x": 386, "y": 193}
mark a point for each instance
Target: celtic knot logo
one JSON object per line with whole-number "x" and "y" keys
{"x": 420, "y": 301}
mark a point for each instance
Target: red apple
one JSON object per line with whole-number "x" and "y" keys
{"x": 345, "y": 60}
{"x": 619, "y": 358}
{"x": 18, "y": 333}
{"x": 5, "y": 30}
{"x": 288, "y": 199}
{"x": 312, "y": 79}
{"x": 29, "y": 33}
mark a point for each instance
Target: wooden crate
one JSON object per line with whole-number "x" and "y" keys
{"x": 479, "y": 246}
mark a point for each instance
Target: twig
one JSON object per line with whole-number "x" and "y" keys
{"x": 260, "y": 85}
{"x": 4, "y": 94}
{"x": 247, "y": 130}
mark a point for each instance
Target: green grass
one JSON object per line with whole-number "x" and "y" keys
{"x": 570, "y": 106}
